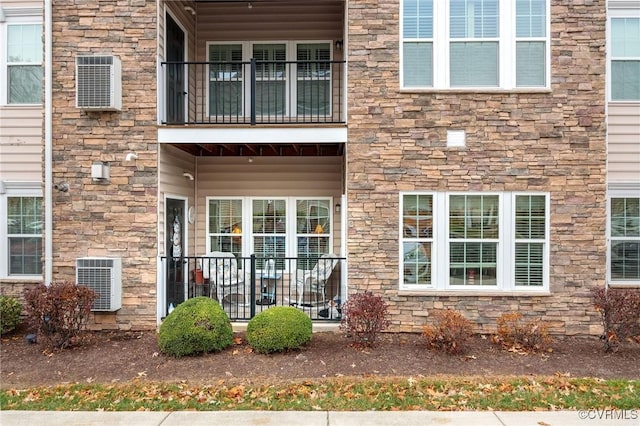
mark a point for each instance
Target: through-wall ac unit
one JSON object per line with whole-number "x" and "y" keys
{"x": 98, "y": 83}
{"x": 104, "y": 276}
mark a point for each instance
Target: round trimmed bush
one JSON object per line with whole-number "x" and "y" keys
{"x": 10, "y": 310}
{"x": 278, "y": 329}
{"x": 198, "y": 325}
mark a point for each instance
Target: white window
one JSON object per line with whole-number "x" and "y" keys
{"x": 271, "y": 227}
{"x": 624, "y": 241}
{"x": 21, "y": 232}
{"x": 624, "y": 55}
{"x": 289, "y": 76}
{"x": 21, "y": 57}
{"x": 458, "y": 44}
{"x": 474, "y": 241}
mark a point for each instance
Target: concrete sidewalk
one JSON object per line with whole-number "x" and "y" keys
{"x": 322, "y": 418}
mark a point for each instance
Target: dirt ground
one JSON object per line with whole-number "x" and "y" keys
{"x": 119, "y": 357}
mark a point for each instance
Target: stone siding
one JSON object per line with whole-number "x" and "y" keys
{"x": 516, "y": 141}
{"x": 117, "y": 218}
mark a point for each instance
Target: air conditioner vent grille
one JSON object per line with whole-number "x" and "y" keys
{"x": 102, "y": 275}
{"x": 98, "y": 82}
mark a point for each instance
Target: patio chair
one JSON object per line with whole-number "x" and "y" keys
{"x": 228, "y": 281}
{"x": 313, "y": 282}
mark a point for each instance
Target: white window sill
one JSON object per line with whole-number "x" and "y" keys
{"x": 473, "y": 293}
{"x": 625, "y": 285}
{"x": 476, "y": 90}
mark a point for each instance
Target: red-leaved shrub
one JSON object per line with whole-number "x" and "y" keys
{"x": 58, "y": 312}
{"x": 364, "y": 316}
{"x": 619, "y": 312}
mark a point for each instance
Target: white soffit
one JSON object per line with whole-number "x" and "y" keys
{"x": 253, "y": 135}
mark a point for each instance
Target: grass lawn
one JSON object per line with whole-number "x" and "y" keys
{"x": 340, "y": 394}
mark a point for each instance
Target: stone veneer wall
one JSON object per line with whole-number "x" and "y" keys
{"x": 117, "y": 218}
{"x": 551, "y": 142}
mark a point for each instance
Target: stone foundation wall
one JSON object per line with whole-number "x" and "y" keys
{"x": 117, "y": 218}
{"x": 516, "y": 141}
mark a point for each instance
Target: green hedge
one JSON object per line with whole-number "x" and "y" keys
{"x": 10, "y": 309}
{"x": 198, "y": 325}
{"x": 278, "y": 329}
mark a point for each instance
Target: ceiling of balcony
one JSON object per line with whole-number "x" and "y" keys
{"x": 263, "y": 150}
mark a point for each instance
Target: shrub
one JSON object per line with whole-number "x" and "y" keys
{"x": 279, "y": 328}
{"x": 10, "y": 309}
{"x": 620, "y": 314}
{"x": 59, "y": 312}
{"x": 364, "y": 317}
{"x": 515, "y": 332}
{"x": 198, "y": 325}
{"x": 449, "y": 333}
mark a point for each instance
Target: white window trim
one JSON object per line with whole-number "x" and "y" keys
{"x": 621, "y": 11}
{"x": 505, "y": 268}
{"x": 247, "y": 224}
{"x": 13, "y": 16}
{"x": 506, "y": 51}
{"x": 291, "y": 56}
{"x": 14, "y": 189}
{"x": 628, "y": 193}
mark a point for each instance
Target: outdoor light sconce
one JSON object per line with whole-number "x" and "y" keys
{"x": 338, "y": 208}
{"x": 339, "y": 44}
{"x": 100, "y": 171}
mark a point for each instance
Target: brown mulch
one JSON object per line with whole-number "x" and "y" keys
{"x": 119, "y": 357}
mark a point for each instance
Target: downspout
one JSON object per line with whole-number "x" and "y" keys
{"x": 48, "y": 144}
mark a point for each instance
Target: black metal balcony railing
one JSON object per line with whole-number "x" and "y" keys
{"x": 246, "y": 286}
{"x": 255, "y": 92}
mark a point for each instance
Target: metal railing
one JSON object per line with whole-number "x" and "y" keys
{"x": 254, "y": 92}
{"x": 248, "y": 285}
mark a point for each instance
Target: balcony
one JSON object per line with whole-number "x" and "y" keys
{"x": 245, "y": 286}
{"x": 254, "y": 92}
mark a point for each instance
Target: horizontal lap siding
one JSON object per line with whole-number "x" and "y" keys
{"x": 21, "y": 144}
{"x": 623, "y": 143}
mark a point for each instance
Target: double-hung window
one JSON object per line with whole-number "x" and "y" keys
{"x": 474, "y": 241}
{"x": 471, "y": 44}
{"x": 624, "y": 242}
{"x": 21, "y": 58}
{"x": 21, "y": 232}
{"x": 624, "y": 56}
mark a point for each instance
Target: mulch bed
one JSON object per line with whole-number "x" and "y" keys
{"x": 119, "y": 357}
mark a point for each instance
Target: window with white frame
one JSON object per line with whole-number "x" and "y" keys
{"x": 454, "y": 44}
{"x": 271, "y": 227}
{"x": 624, "y": 242}
{"x": 624, "y": 55}
{"x": 474, "y": 241}
{"x": 308, "y": 94}
{"x": 21, "y": 233}
{"x": 21, "y": 51}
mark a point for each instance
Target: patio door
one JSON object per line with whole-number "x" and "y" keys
{"x": 175, "y": 244}
{"x": 175, "y": 72}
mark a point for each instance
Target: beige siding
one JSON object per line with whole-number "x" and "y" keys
{"x": 20, "y": 143}
{"x": 8, "y": 4}
{"x": 21, "y": 129}
{"x": 623, "y": 155}
{"x": 267, "y": 176}
{"x": 319, "y": 20}
{"x": 173, "y": 163}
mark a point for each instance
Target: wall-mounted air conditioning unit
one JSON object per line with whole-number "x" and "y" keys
{"x": 104, "y": 276}
{"x": 98, "y": 83}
